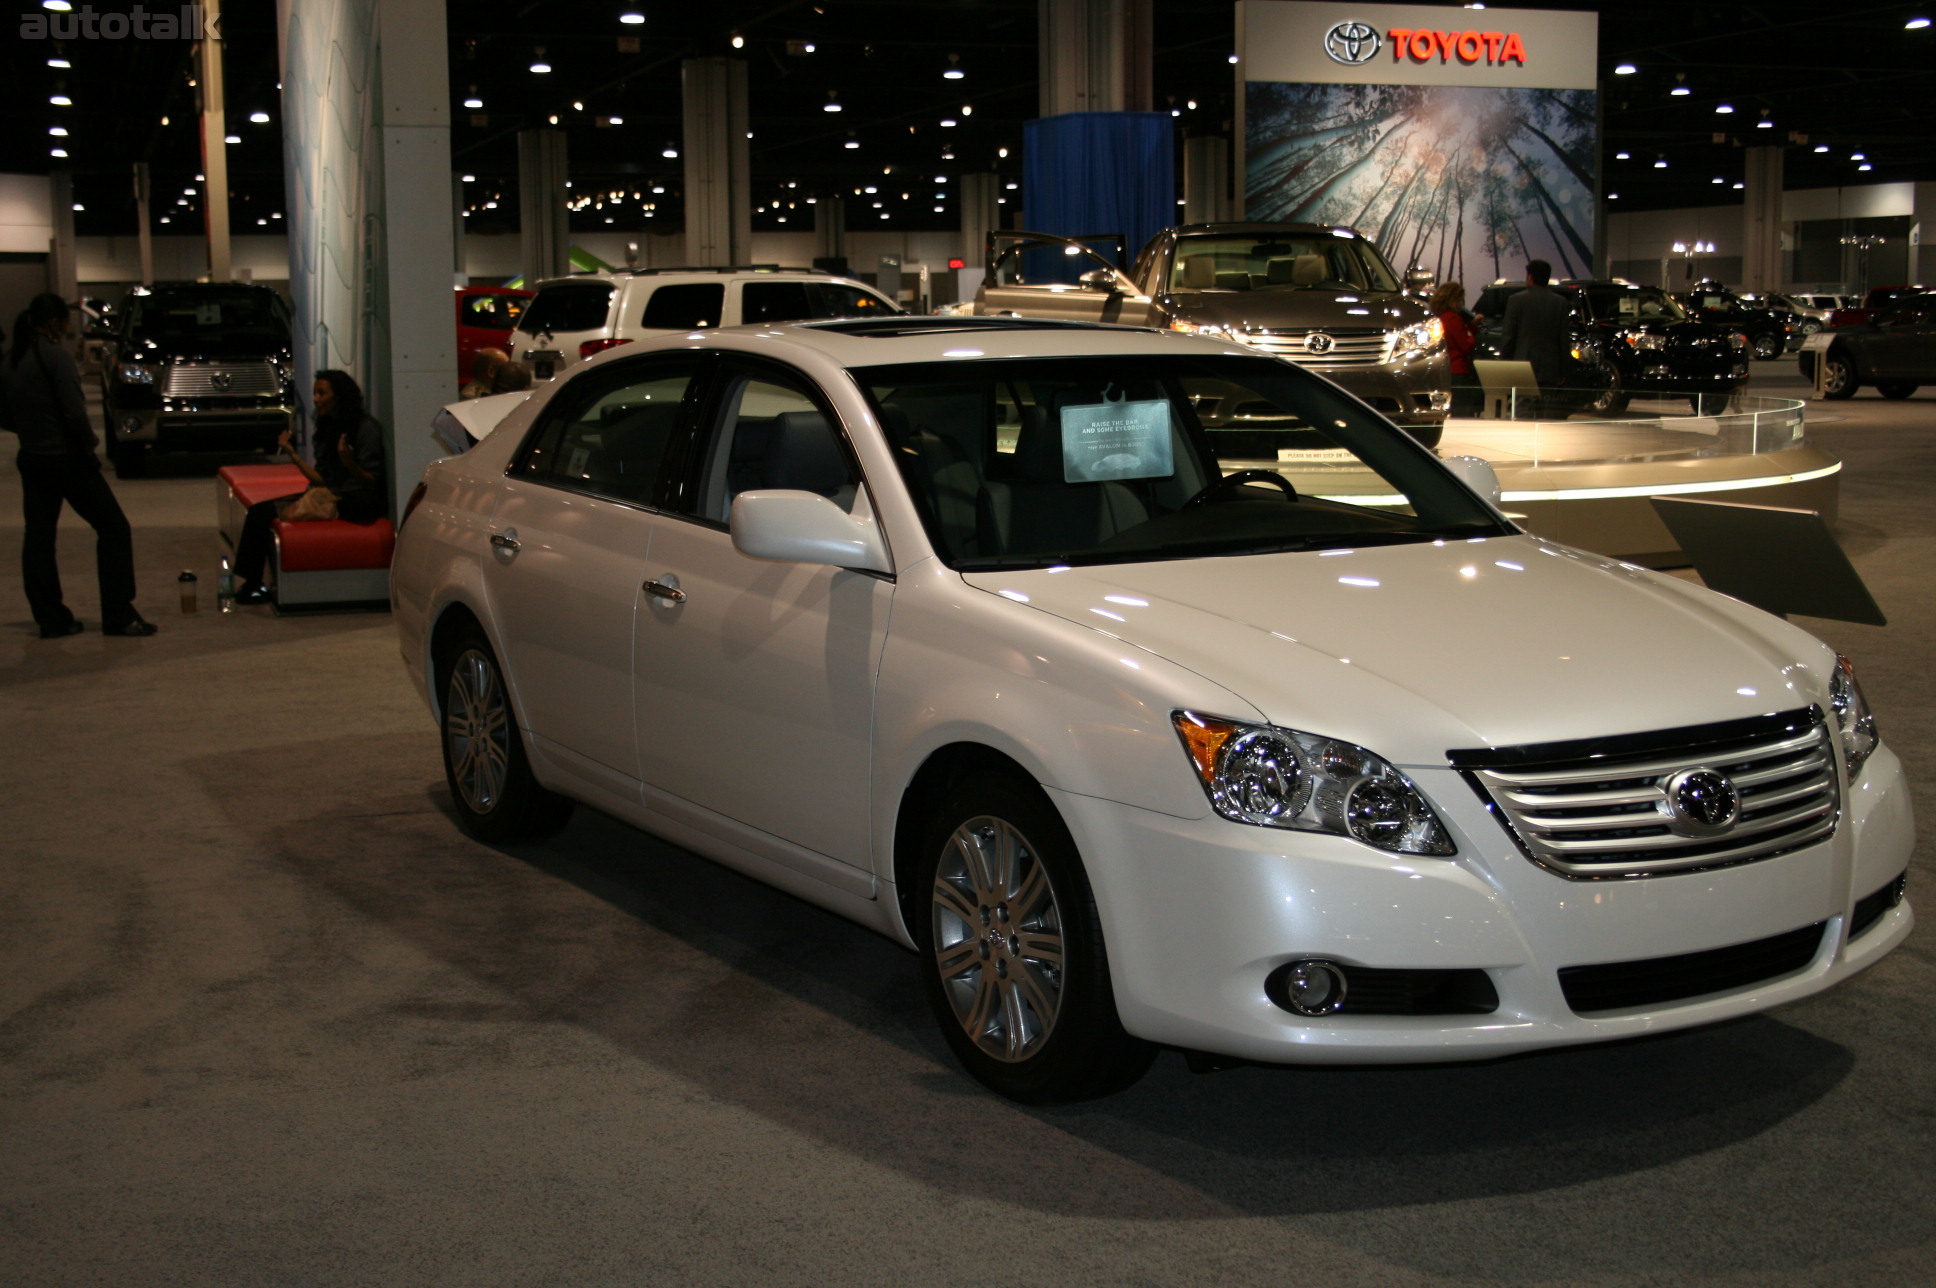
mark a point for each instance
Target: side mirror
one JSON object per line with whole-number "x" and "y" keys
{"x": 804, "y": 527}
{"x": 1101, "y": 279}
{"x": 1477, "y": 474}
{"x": 1421, "y": 281}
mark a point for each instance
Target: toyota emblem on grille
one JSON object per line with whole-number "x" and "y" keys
{"x": 1317, "y": 342}
{"x": 1702, "y": 802}
{"x": 1352, "y": 43}
{"x": 221, "y": 380}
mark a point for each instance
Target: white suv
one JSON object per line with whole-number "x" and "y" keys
{"x": 575, "y": 317}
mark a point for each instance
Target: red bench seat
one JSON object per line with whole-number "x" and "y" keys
{"x": 317, "y": 565}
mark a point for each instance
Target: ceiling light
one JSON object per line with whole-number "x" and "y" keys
{"x": 79, "y": 206}
{"x": 614, "y": 120}
{"x": 577, "y": 107}
{"x": 947, "y": 122}
{"x": 1821, "y": 147}
{"x": 1233, "y": 58}
{"x": 553, "y": 120}
{"x": 632, "y": 19}
{"x": 57, "y": 152}
{"x": 1001, "y": 152}
{"x": 473, "y": 102}
{"x": 164, "y": 218}
{"x": 259, "y": 118}
{"x": 1613, "y": 196}
{"x": 1764, "y": 125}
{"x": 468, "y": 178}
{"x": 1625, "y": 69}
{"x": 852, "y": 142}
{"x": 1680, "y": 91}
{"x": 1740, "y": 185}
{"x": 231, "y": 138}
{"x": 1718, "y": 179}
{"x": 58, "y": 6}
{"x": 1857, "y": 156}
{"x": 538, "y": 64}
{"x": 1192, "y": 105}
{"x": 941, "y": 178}
{"x": 658, "y": 188}
{"x": 831, "y": 105}
{"x": 1915, "y": 24}
{"x": 1623, "y": 156}
{"x": 1723, "y": 110}
{"x": 670, "y": 151}
{"x": 58, "y": 131}
{"x": 59, "y": 62}
{"x": 739, "y": 41}
{"x": 61, "y": 100}
{"x": 1865, "y": 166}
{"x": 952, "y": 72}
{"x": 1661, "y": 164}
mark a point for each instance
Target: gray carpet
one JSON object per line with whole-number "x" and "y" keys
{"x": 267, "y": 1018}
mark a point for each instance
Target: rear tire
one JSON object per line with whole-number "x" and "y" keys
{"x": 1011, "y": 948}
{"x": 490, "y": 779}
{"x": 1838, "y": 377}
{"x": 1896, "y": 391}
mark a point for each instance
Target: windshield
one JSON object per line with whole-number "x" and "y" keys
{"x": 188, "y": 315}
{"x": 1028, "y": 463}
{"x": 1258, "y": 262}
{"x": 1632, "y": 303}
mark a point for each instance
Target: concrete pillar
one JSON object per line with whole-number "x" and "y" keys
{"x": 144, "y": 231}
{"x": 215, "y": 152}
{"x": 1206, "y": 180}
{"x": 1761, "y": 264}
{"x": 719, "y": 190}
{"x": 979, "y": 216}
{"x": 830, "y": 228}
{"x": 414, "y": 365}
{"x": 544, "y": 225}
{"x": 1922, "y": 234}
{"x": 1094, "y": 55}
{"x": 63, "y": 266}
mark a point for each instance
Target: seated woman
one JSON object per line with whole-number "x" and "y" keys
{"x": 346, "y": 482}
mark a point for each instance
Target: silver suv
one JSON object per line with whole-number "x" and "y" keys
{"x": 573, "y": 318}
{"x": 1319, "y": 296}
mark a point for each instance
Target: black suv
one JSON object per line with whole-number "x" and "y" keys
{"x": 1629, "y": 339}
{"x": 196, "y": 367}
{"x": 1769, "y": 330}
{"x": 1895, "y": 351}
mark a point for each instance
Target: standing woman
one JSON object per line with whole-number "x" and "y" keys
{"x": 58, "y": 466}
{"x": 346, "y": 482}
{"x": 1448, "y": 302}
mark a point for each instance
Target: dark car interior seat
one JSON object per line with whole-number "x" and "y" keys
{"x": 1035, "y": 510}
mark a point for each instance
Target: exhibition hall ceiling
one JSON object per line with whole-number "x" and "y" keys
{"x": 1830, "y": 81}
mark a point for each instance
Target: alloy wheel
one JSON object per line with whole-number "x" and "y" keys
{"x": 998, "y": 940}
{"x": 477, "y": 730}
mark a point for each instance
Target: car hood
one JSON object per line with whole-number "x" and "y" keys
{"x": 1413, "y": 650}
{"x": 241, "y": 345}
{"x": 1284, "y": 308}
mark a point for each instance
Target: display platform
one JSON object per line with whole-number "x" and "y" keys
{"x": 1588, "y": 482}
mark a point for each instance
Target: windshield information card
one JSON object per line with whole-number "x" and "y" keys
{"x": 1117, "y": 440}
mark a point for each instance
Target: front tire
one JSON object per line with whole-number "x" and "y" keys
{"x": 1838, "y": 377}
{"x": 1896, "y": 391}
{"x": 489, "y": 776}
{"x": 1012, "y": 952}
{"x": 1767, "y": 346}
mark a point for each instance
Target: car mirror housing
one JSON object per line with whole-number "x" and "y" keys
{"x": 804, "y": 527}
{"x": 1100, "y": 279}
{"x": 1477, "y": 474}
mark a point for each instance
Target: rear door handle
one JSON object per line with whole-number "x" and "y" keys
{"x": 506, "y": 540}
{"x": 667, "y": 590}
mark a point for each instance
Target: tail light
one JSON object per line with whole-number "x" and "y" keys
{"x": 409, "y": 507}
{"x": 590, "y": 347}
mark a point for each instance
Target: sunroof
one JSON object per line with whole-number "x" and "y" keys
{"x": 894, "y": 327}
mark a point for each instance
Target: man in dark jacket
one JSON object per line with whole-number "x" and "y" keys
{"x": 1538, "y": 326}
{"x": 58, "y": 466}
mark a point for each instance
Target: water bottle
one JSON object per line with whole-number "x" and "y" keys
{"x": 187, "y": 583}
{"x": 225, "y": 587}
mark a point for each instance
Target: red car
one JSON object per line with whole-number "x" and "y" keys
{"x": 1872, "y": 303}
{"x": 485, "y": 317}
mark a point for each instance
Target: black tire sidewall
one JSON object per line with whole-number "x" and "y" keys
{"x": 1849, "y": 383}
{"x": 1087, "y": 1053}
{"x": 524, "y": 809}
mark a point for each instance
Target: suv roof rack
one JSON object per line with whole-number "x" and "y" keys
{"x": 722, "y": 268}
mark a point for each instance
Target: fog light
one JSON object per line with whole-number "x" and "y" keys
{"x": 1314, "y": 988}
{"x": 131, "y": 423}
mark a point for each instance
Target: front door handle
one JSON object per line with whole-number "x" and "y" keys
{"x": 667, "y": 590}
{"x": 507, "y": 541}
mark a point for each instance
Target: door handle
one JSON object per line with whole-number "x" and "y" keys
{"x": 666, "y": 590}
{"x": 506, "y": 541}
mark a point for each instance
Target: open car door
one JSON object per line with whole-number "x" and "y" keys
{"x": 1041, "y": 275}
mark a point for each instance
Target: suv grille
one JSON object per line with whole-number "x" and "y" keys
{"x": 1353, "y": 348}
{"x": 1678, "y": 801}
{"x": 222, "y": 380}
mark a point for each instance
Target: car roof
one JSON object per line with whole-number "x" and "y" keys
{"x": 618, "y": 275}
{"x": 1242, "y": 228}
{"x": 886, "y": 341}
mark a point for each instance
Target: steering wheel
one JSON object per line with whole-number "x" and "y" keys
{"x": 1231, "y": 482}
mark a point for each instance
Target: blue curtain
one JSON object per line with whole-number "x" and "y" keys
{"x": 1100, "y": 172}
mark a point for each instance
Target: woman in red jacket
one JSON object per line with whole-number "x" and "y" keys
{"x": 1449, "y": 303}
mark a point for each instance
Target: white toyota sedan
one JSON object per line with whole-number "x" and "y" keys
{"x": 1154, "y": 691}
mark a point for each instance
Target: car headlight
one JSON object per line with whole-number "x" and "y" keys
{"x": 1213, "y": 330}
{"x": 1645, "y": 340}
{"x": 1272, "y": 777}
{"x": 137, "y": 373}
{"x": 1853, "y": 719}
{"x": 1422, "y": 338}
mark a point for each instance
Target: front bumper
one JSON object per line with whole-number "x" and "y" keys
{"x": 199, "y": 425}
{"x": 1198, "y": 913}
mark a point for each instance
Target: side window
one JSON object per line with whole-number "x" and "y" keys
{"x": 772, "y": 433}
{"x": 608, "y": 436}
{"x": 685, "y": 307}
{"x": 832, "y": 300}
{"x": 773, "y": 302}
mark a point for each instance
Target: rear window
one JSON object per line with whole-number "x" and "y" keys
{"x": 682, "y": 308}
{"x": 496, "y": 312}
{"x": 572, "y": 306}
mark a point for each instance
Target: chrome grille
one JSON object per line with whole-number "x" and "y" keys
{"x": 1367, "y": 347}
{"x": 1610, "y": 815}
{"x": 221, "y": 380}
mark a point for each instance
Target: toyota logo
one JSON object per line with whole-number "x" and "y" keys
{"x": 1318, "y": 343}
{"x": 1702, "y": 802}
{"x": 221, "y": 380}
{"x": 1352, "y": 43}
